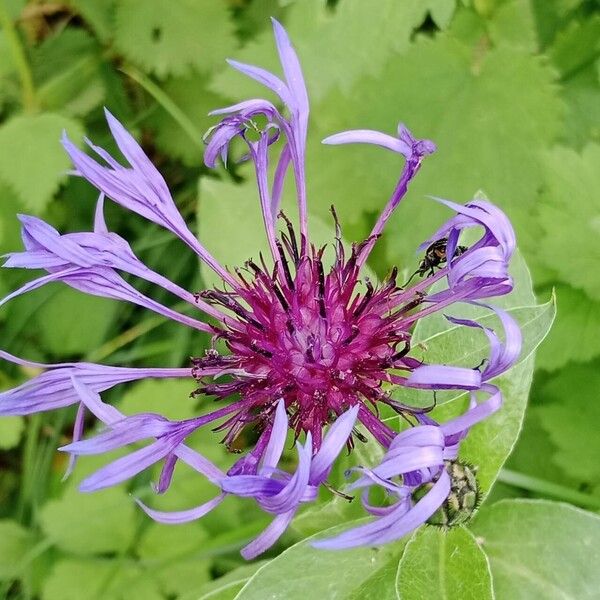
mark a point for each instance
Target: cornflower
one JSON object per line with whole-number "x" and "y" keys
{"x": 310, "y": 349}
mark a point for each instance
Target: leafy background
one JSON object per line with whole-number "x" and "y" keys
{"x": 510, "y": 92}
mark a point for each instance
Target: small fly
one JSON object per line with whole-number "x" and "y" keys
{"x": 435, "y": 257}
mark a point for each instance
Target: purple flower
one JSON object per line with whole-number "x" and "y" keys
{"x": 309, "y": 350}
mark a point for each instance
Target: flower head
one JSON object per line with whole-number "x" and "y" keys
{"x": 296, "y": 345}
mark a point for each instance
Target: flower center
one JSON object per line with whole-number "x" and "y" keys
{"x": 323, "y": 341}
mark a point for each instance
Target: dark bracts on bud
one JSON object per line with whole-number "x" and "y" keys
{"x": 462, "y": 501}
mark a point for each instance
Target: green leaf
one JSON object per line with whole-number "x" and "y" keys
{"x": 228, "y": 586}
{"x": 441, "y": 11}
{"x": 11, "y": 429}
{"x": 170, "y": 398}
{"x": 67, "y": 71}
{"x": 90, "y": 523}
{"x": 436, "y": 340}
{"x": 15, "y": 542}
{"x": 81, "y": 579}
{"x": 232, "y": 212}
{"x": 190, "y": 34}
{"x": 456, "y": 344}
{"x": 301, "y": 568}
{"x": 540, "y": 549}
{"x": 569, "y": 414}
{"x": 489, "y": 443}
{"x": 574, "y": 336}
{"x": 570, "y": 217}
{"x": 337, "y": 48}
{"x": 32, "y": 160}
{"x": 99, "y": 14}
{"x": 171, "y": 552}
{"x": 575, "y": 53}
{"x": 462, "y": 97}
{"x": 58, "y": 334}
{"x": 444, "y": 564}
{"x": 512, "y": 23}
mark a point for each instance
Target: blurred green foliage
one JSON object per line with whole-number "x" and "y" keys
{"x": 510, "y": 92}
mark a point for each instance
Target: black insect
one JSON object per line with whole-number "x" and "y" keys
{"x": 435, "y": 257}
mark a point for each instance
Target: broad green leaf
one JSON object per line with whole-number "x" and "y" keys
{"x": 190, "y": 34}
{"x": 463, "y": 97}
{"x": 574, "y": 335}
{"x": 569, "y": 414}
{"x": 335, "y": 48}
{"x": 444, "y": 564}
{"x": 436, "y": 340}
{"x": 569, "y": 214}
{"x": 301, "y": 568}
{"x": 91, "y": 579}
{"x": 32, "y": 161}
{"x": 15, "y": 542}
{"x": 490, "y": 442}
{"x": 227, "y": 587}
{"x": 90, "y": 523}
{"x": 540, "y": 549}
{"x": 11, "y": 429}
{"x": 59, "y": 335}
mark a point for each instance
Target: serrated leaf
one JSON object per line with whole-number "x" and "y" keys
{"x": 570, "y": 217}
{"x": 444, "y": 564}
{"x": 512, "y": 23}
{"x": 11, "y": 429}
{"x": 575, "y": 52}
{"x": 81, "y": 579}
{"x": 57, "y": 333}
{"x": 189, "y": 34}
{"x": 490, "y": 111}
{"x": 15, "y": 542}
{"x": 569, "y": 414}
{"x": 335, "y": 48}
{"x": 574, "y": 336}
{"x": 32, "y": 161}
{"x": 304, "y": 568}
{"x": 577, "y": 45}
{"x": 541, "y": 549}
{"x": 90, "y": 523}
{"x": 441, "y": 11}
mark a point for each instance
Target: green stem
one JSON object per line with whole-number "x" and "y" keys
{"x": 167, "y": 103}
{"x": 29, "y": 460}
{"x": 30, "y": 103}
{"x": 548, "y": 488}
